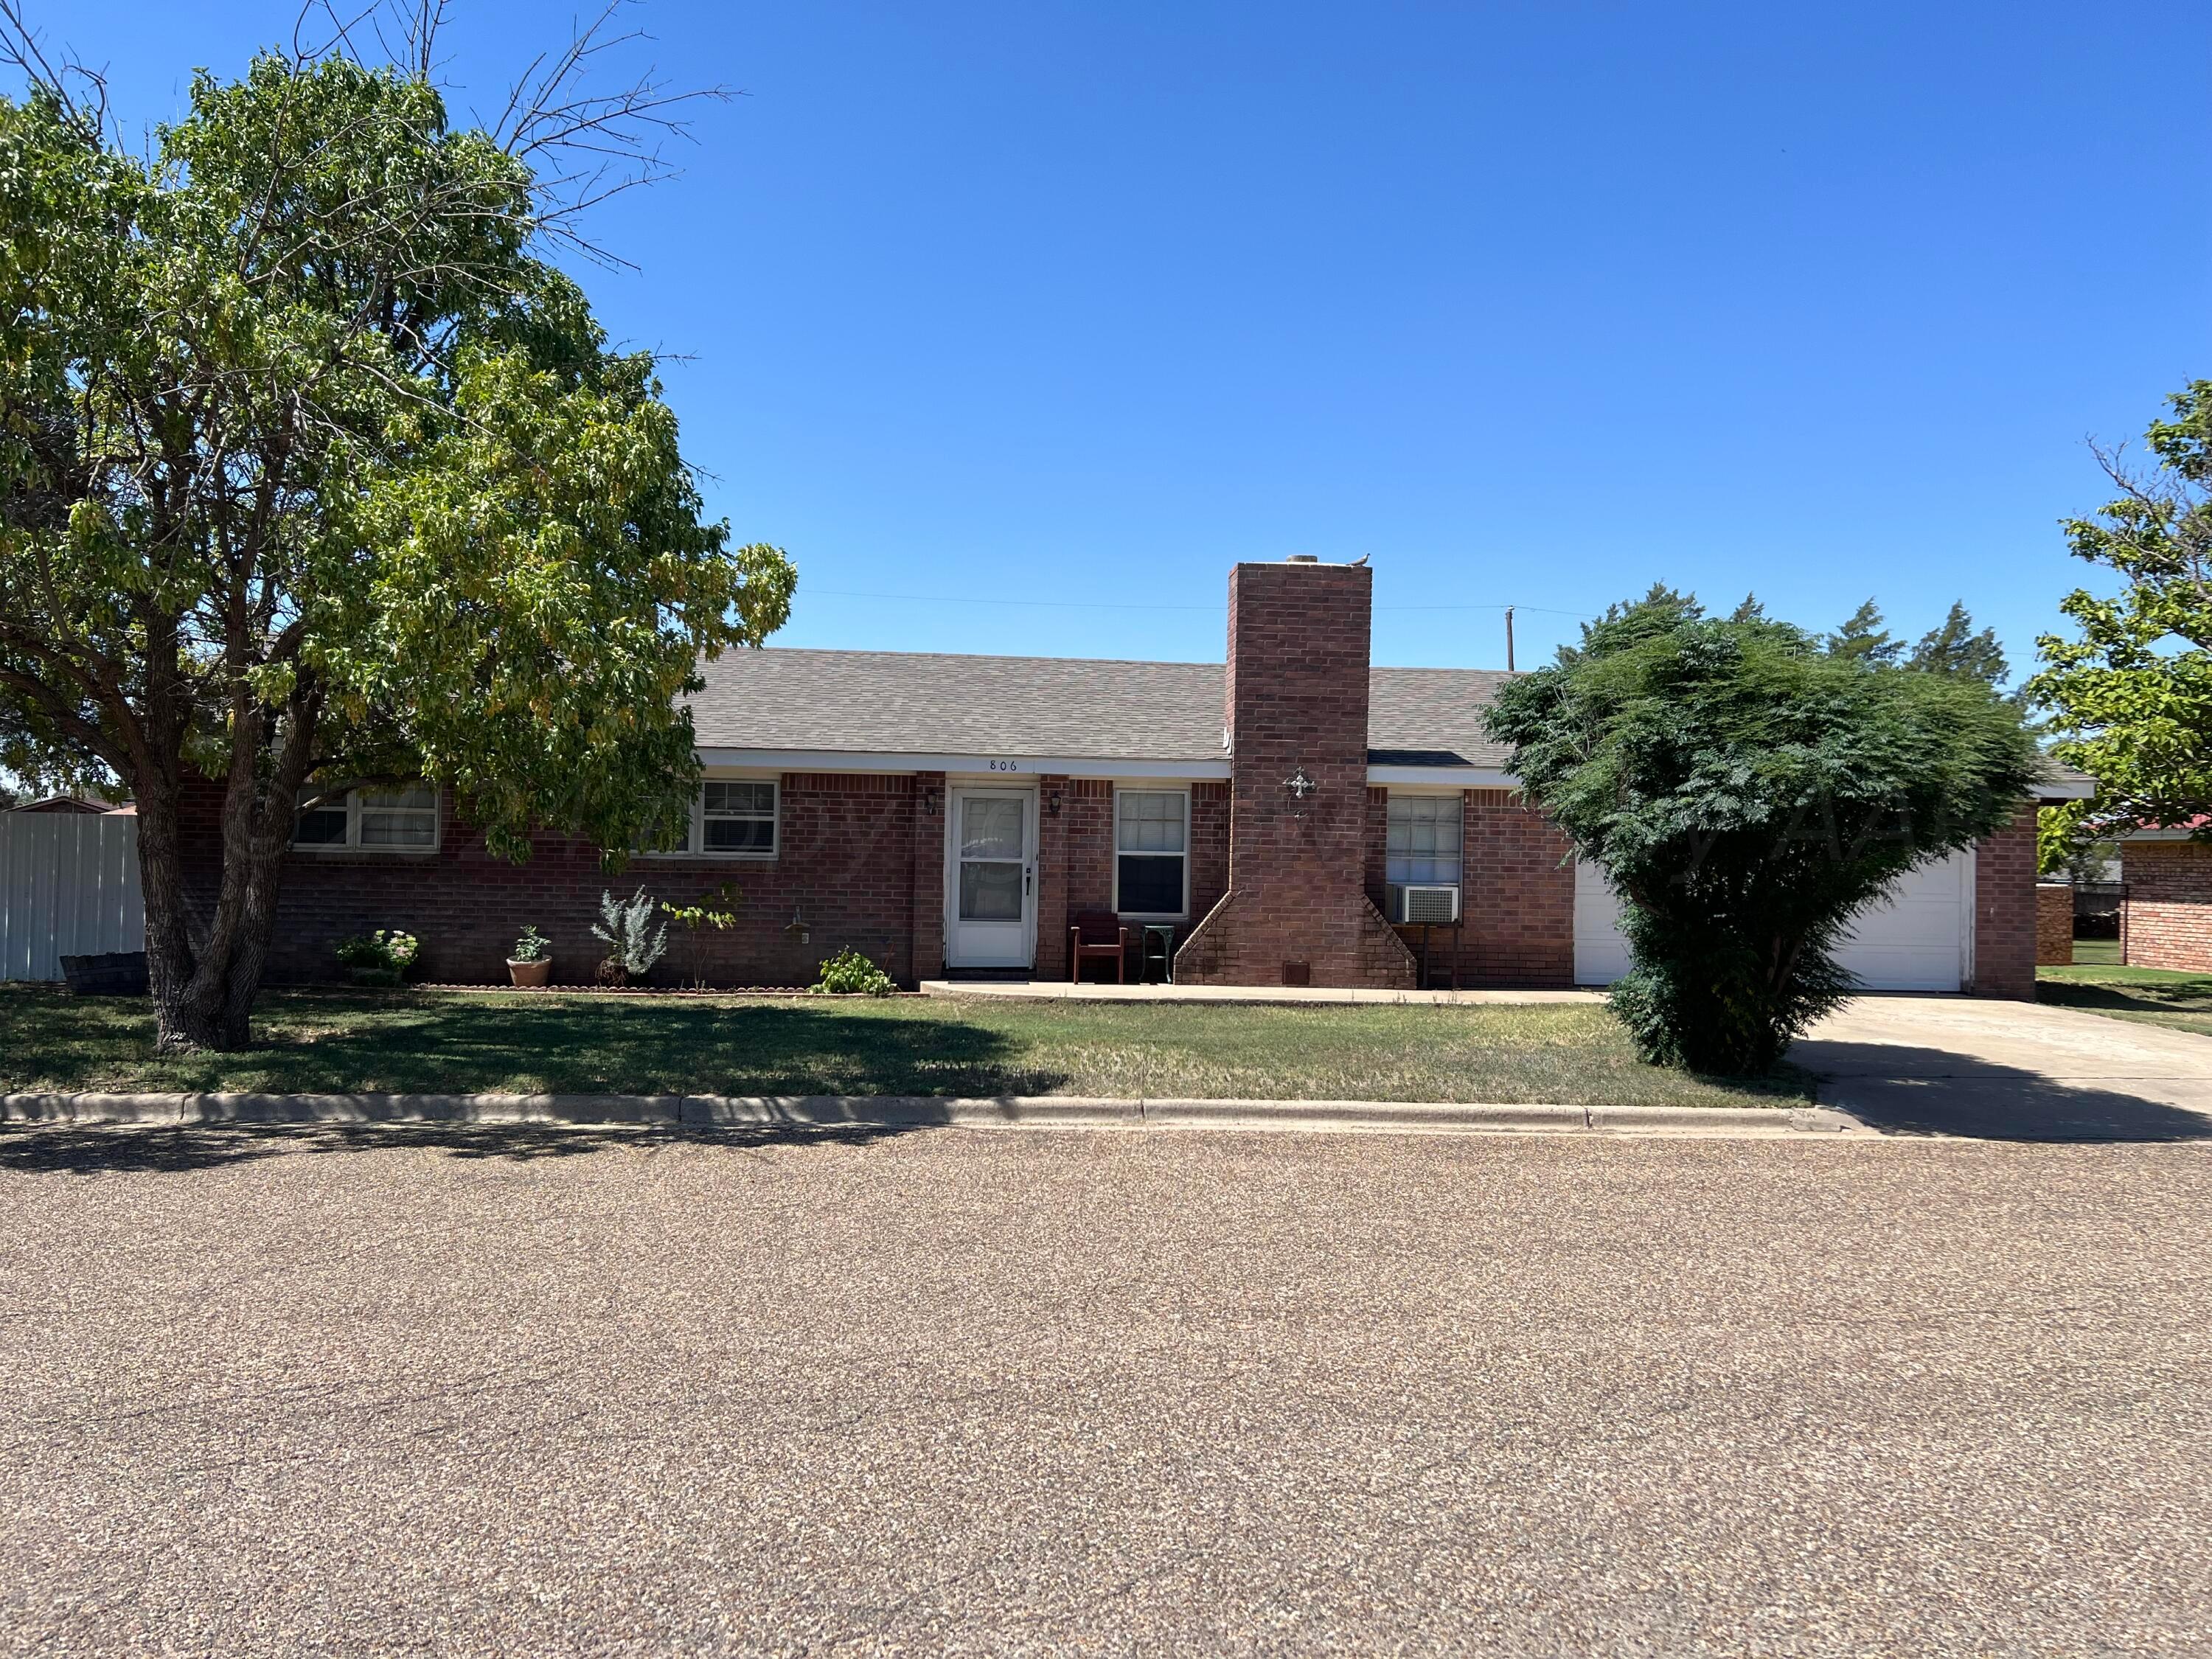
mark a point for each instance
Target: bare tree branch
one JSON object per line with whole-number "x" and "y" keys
{"x": 79, "y": 89}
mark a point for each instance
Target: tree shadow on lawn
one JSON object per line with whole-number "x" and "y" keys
{"x": 2179, "y": 996}
{"x": 1933, "y": 1091}
{"x": 134, "y": 1149}
{"x": 308, "y": 1042}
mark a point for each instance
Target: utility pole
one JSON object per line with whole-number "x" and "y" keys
{"x": 1509, "y": 639}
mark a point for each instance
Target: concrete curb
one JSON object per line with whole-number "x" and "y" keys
{"x": 919, "y": 1111}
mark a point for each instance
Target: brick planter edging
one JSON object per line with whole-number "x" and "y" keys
{"x": 907, "y": 1111}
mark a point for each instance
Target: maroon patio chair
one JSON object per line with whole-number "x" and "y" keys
{"x": 1097, "y": 933}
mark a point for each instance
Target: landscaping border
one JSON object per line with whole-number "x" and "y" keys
{"x": 921, "y": 1111}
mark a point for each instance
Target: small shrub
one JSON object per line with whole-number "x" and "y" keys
{"x": 849, "y": 974}
{"x": 626, "y": 928}
{"x": 382, "y": 958}
{"x": 532, "y": 946}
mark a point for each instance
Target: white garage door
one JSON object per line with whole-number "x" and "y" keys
{"x": 1919, "y": 938}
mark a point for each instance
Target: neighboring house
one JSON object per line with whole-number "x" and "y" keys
{"x": 63, "y": 804}
{"x": 2165, "y": 914}
{"x": 1281, "y": 811}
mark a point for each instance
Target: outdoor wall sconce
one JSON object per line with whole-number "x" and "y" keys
{"x": 1052, "y": 804}
{"x": 797, "y": 927}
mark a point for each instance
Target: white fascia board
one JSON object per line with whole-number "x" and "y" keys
{"x": 1444, "y": 777}
{"x": 842, "y": 760}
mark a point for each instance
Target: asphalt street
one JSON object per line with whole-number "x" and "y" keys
{"x": 551, "y": 1391}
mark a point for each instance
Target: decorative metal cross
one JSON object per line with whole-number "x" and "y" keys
{"x": 1300, "y": 786}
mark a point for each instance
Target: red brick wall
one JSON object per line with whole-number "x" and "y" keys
{"x": 1209, "y": 847}
{"x": 1076, "y": 859}
{"x": 2004, "y": 910}
{"x": 2054, "y": 925}
{"x": 1297, "y": 699}
{"x": 858, "y": 863}
{"x": 1519, "y": 895}
{"x": 2166, "y": 920}
{"x": 1375, "y": 867}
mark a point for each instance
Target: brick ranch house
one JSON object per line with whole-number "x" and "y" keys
{"x": 2165, "y": 916}
{"x": 954, "y": 814}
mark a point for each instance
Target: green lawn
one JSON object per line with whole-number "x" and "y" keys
{"x": 2096, "y": 953}
{"x": 449, "y": 1042}
{"x": 2156, "y": 995}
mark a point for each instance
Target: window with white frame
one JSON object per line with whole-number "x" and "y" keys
{"x": 1151, "y": 843}
{"x": 1423, "y": 845}
{"x": 403, "y": 820}
{"x": 730, "y": 819}
{"x": 738, "y": 817}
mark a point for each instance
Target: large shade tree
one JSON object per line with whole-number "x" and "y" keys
{"x": 319, "y": 471}
{"x": 1749, "y": 788}
{"x": 2130, "y": 695}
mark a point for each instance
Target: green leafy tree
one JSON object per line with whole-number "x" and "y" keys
{"x": 1865, "y": 634}
{"x": 1956, "y": 646}
{"x": 2130, "y": 695}
{"x": 318, "y": 472}
{"x": 1747, "y": 790}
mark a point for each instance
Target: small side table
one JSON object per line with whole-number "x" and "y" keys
{"x": 1159, "y": 949}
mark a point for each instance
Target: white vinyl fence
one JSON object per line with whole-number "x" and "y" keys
{"x": 69, "y": 887}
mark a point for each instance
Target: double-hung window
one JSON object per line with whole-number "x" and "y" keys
{"x": 1151, "y": 853}
{"x": 737, "y": 818}
{"x": 730, "y": 818}
{"x": 1424, "y": 846}
{"x": 374, "y": 819}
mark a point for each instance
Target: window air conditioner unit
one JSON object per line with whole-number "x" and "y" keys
{"x": 1411, "y": 906}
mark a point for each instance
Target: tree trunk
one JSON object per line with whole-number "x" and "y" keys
{"x": 204, "y": 980}
{"x": 182, "y": 1016}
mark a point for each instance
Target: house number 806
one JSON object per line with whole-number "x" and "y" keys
{"x": 1005, "y": 766}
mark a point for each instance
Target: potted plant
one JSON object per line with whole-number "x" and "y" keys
{"x": 382, "y": 958}
{"x": 531, "y": 964}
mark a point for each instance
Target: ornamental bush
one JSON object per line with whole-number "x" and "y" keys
{"x": 849, "y": 974}
{"x": 1749, "y": 788}
{"x": 382, "y": 958}
{"x": 626, "y": 928}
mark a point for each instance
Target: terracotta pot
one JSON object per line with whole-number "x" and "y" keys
{"x": 539, "y": 972}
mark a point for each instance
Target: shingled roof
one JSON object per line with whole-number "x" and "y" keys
{"x": 900, "y": 702}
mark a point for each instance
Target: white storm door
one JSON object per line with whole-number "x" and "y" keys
{"x": 991, "y": 900}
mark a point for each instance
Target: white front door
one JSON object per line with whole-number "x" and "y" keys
{"x": 990, "y": 898}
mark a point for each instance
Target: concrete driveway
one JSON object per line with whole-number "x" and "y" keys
{"x": 2010, "y": 1071}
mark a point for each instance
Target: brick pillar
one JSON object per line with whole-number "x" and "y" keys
{"x": 1296, "y": 706}
{"x": 928, "y": 881}
{"x": 2054, "y": 924}
{"x": 2004, "y": 910}
{"x": 1055, "y": 799}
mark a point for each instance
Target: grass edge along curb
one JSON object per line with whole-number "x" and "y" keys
{"x": 835, "y": 1111}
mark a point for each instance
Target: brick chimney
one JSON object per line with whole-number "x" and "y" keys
{"x": 1297, "y": 911}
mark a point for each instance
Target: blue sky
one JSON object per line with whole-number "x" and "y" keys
{"x": 1037, "y": 316}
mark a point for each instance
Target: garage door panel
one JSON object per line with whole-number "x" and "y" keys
{"x": 1913, "y": 939}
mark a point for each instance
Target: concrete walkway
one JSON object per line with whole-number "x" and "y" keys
{"x": 2010, "y": 1071}
{"x": 1061, "y": 990}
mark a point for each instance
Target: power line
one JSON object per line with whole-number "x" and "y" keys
{"x": 1108, "y": 604}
